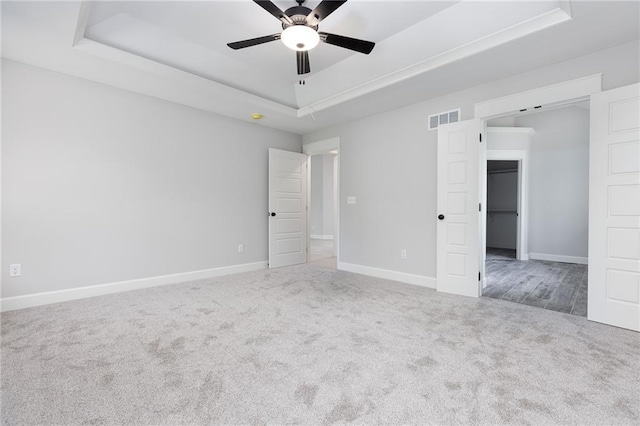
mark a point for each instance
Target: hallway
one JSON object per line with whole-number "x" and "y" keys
{"x": 321, "y": 253}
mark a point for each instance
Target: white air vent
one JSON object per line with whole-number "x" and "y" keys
{"x": 452, "y": 116}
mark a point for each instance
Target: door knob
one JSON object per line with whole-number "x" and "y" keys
{"x": 441, "y": 216}
{"x": 273, "y": 213}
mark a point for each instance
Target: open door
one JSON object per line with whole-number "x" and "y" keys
{"x": 459, "y": 186}
{"x": 287, "y": 208}
{"x": 614, "y": 208}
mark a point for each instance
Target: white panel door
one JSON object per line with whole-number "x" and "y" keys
{"x": 614, "y": 208}
{"x": 458, "y": 222}
{"x": 287, "y": 208}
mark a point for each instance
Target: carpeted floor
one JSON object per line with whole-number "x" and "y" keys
{"x": 312, "y": 345}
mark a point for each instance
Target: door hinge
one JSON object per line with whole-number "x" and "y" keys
{"x": 480, "y": 134}
{"x": 479, "y": 276}
{"x": 479, "y": 207}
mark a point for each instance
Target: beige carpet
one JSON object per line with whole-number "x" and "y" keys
{"x": 312, "y": 345}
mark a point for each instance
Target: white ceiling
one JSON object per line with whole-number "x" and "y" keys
{"x": 177, "y": 50}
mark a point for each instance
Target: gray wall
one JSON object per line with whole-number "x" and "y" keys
{"x": 102, "y": 185}
{"x": 321, "y": 209}
{"x": 388, "y": 161}
{"x": 559, "y": 181}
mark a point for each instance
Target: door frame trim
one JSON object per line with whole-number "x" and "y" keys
{"x": 325, "y": 147}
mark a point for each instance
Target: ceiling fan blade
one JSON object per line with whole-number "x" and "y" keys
{"x": 303, "y": 62}
{"x": 274, "y": 10}
{"x": 324, "y": 9}
{"x": 253, "y": 41}
{"x": 361, "y": 46}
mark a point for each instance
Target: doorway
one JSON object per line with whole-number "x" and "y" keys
{"x": 324, "y": 202}
{"x": 613, "y": 206}
{"x": 322, "y": 209}
{"x": 503, "y": 192}
{"x": 536, "y": 251}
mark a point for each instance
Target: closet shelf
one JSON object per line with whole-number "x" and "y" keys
{"x": 495, "y": 172}
{"x": 501, "y": 211}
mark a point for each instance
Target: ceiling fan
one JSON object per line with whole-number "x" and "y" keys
{"x": 300, "y": 31}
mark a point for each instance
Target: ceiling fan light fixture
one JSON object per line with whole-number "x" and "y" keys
{"x": 300, "y": 31}
{"x": 300, "y": 38}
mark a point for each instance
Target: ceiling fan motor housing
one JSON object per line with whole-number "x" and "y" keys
{"x": 298, "y": 15}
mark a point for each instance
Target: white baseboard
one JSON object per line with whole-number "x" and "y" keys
{"x": 321, "y": 237}
{"x": 558, "y": 258}
{"x": 387, "y": 274}
{"x": 524, "y": 256}
{"x": 38, "y": 299}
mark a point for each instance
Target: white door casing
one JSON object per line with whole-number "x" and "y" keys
{"x": 459, "y": 189}
{"x": 287, "y": 208}
{"x": 614, "y": 208}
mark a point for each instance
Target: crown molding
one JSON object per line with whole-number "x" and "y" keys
{"x": 535, "y": 24}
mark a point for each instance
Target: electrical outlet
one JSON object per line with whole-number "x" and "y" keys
{"x": 403, "y": 254}
{"x": 15, "y": 270}
{"x": 240, "y": 248}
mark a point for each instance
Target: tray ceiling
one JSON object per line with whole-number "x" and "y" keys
{"x": 192, "y": 36}
{"x": 177, "y": 50}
